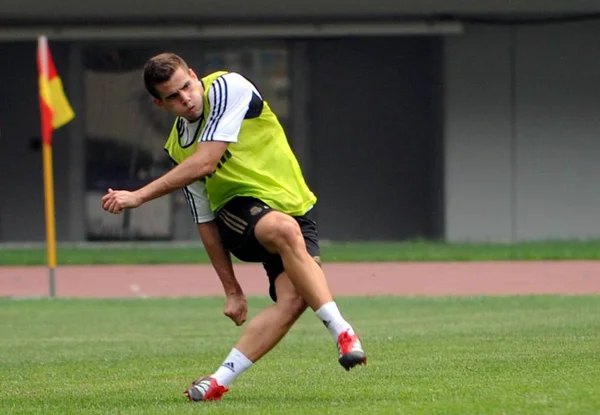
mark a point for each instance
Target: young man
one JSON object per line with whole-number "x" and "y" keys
{"x": 235, "y": 166}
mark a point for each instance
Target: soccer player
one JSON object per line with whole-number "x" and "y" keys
{"x": 249, "y": 198}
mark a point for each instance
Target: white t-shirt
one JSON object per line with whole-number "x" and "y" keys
{"x": 229, "y": 97}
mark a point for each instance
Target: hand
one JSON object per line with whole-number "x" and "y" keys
{"x": 117, "y": 200}
{"x": 236, "y": 308}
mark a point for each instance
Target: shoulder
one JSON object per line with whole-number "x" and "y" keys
{"x": 231, "y": 85}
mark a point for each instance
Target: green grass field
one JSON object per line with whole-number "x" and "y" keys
{"x": 489, "y": 355}
{"x": 336, "y": 252}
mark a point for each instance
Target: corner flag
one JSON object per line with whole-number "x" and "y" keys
{"x": 55, "y": 108}
{"x": 55, "y": 111}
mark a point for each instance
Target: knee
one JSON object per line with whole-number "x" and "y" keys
{"x": 287, "y": 234}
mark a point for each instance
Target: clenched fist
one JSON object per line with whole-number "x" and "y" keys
{"x": 117, "y": 200}
{"x": 236, "y": 308}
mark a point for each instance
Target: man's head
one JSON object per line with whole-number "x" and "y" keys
{"x": 174, "y": 86}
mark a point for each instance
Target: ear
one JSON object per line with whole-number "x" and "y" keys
{"x": 158, "y": 102}
{"x": 193, "y": 74}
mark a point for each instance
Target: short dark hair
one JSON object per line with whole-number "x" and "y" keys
{"x": 161, "y": 68}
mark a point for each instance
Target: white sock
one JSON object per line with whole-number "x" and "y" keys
{"x": 333, "y": 320}
{"x": 232, "y": 367}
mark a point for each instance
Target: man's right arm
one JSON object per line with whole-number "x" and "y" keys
{"x": 219, "y": 257}
{"x": 236, "y": 306}
{"x": 204, "y": 218}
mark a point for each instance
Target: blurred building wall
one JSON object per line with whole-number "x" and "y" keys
{"x": 487, "y": 135}
{"x": 521, "y": 133}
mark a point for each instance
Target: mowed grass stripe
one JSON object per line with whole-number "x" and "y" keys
{"x": 141, "y": 253}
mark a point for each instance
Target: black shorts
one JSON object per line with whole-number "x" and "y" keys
{"x": 236, "y": 222}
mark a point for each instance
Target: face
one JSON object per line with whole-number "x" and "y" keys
{"x": 181, "y": 95}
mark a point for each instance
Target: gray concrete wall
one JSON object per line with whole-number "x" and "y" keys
{"x": 557, "y": 130}
{"x": 520, "y": 130}
{"x": 478, "y": 181}
{"x": 522, "y": 133}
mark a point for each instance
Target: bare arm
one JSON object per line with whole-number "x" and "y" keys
{"x": 236, "y": 306}
{"x": 200, "y": 164}
{"x": 219, "y": 257}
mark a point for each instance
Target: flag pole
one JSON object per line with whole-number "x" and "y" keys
{"x": 50, "y": 223}
{"x": 48, "y": 175}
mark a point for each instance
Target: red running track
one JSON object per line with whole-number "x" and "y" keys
{"x": 360, "y": 279}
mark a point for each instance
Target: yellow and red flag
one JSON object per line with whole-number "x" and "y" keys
{"x": 54, "y": 106}
{"x": 55, "y": 111}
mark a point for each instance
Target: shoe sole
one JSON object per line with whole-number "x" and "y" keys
{"x": 188, "y": 394}
{"x": 349, "y": 360}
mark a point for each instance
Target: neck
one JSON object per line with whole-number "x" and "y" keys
{"x": 193, "y": 120}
